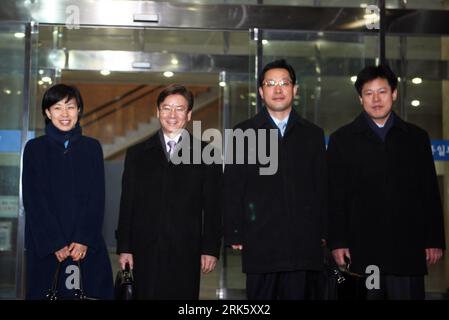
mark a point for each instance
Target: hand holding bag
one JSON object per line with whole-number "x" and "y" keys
{"x": 124, "y": 283}
{"x": 350, "y": 285}
{"x": 79, "y": 294}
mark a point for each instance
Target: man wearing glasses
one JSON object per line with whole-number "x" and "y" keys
{"x": 277, "y": 221}
{"x": 169, "y": 228}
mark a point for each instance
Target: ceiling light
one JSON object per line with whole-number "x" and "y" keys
{"x": 417, "y": 80}
{"x": 46, "y": 79}
{"x": 19, "y": 35}
{"x": 174, "y": 61}
{"x": 7, "y": 91}
{"x": 354, "y": 78}
{"x": 415, "y": 103}
{"x": 168, "y": 74}
{"x": 264, "y": 41}
{"x": 105, "y": 72}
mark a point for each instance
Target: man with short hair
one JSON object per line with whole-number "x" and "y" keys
{"x": 277, "y": 220}
{"x": 384, "y": 203}
{"x": 170, "y": 214}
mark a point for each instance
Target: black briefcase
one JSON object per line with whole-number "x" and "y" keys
{"x": 124, "y": 284}
{"x": 349, "y": 285}
{"x": 343, "y": 284}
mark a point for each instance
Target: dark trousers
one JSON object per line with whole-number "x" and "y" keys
{"x": 398, "y": 288}
{"x": 291, "y": 285}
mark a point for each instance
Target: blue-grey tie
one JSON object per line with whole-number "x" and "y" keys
{"x": 171, "y": 144}
{"x": 282, "y": 125}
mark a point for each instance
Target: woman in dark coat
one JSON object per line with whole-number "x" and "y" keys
{"x": 63, "y": 194}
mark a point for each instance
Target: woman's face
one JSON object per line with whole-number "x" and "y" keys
{"x": 64, "y": 114}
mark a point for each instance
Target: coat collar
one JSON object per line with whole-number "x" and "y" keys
{"x": 360, "y": 124}
{"x": 263, "y": 120}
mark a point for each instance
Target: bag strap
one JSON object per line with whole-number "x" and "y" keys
{"x": 352, "y": 273}
{"x": 78, "y": 292}
{"x": 54, "y": 284}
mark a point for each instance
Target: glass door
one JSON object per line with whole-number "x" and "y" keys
{"x": 16, "y": 61}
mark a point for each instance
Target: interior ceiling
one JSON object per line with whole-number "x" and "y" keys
{"x": 229, "y": 45}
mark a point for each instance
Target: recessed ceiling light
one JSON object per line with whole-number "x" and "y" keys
{"x": 19, "y": 35}
{"x": 7, "y": 91}
{"x": 174, "y": 61}
{"x": 264, "y": 41}
{"x": 168, "y": 74}
{"x": 222, "y": 84}
{"x": 40, "y": 82}
{"x": 41, "y": 72}
{"x": 417, "y": 80}
{"x": 415, "y": 103}
{"x": 354, "y": 78}
{"x": 105, "y": 72}
{"x": 46, "y": 79}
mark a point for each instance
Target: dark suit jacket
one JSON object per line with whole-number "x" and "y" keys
{"x": 384, "y": 200}
{"x": 280, "y": 218}
{"x": 169, "y": 215}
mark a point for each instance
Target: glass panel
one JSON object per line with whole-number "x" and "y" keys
{"x": 12, "y": 53}
{"x": 417, "y": 62}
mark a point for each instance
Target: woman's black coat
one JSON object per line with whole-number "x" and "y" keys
{"x": 63, "y": 194}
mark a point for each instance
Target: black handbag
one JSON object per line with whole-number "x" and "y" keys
{"x": 350, "y": 285}
{"x": 124, "y": 283}
{"x": 79, "y": 294}
{"x": 343, "y": 284}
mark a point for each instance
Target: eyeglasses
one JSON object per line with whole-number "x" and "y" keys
{"x": 280, "y": 83}
{"x": 167, "y": 109}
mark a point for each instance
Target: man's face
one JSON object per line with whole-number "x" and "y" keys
{"x": 377, "y": 99}
{"x": 278, "y": 98}
{"x": 173, "y": 114}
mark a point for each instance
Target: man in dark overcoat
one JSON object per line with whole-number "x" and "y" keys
{"x": 170, "y": 214}
{"x": 385, "y": 207}
{"x": 277, "y": 218}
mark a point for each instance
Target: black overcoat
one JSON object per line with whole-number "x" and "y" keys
{"x": 63, "y": 195}
{"x": 384, "y": 204}
{"x": 169, "y": 216}
{"x": 279, "y": 219}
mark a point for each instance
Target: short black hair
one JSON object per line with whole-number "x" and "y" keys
{"x": 370, "y": 73}
{"x": 176, "y": 89}
{"x": 59, "y": 92}
{"x": 277, "y": 64}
